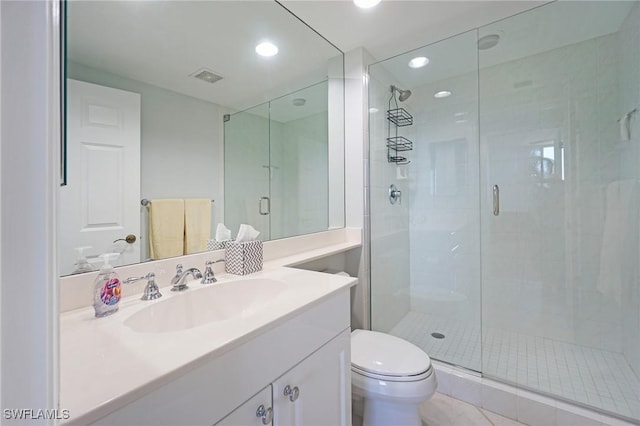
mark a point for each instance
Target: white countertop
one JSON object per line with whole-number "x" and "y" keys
{"x": 105, "y": 365}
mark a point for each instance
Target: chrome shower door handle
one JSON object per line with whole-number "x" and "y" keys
{"x": 496, "y": 200}
{"x": 260, "y": 204}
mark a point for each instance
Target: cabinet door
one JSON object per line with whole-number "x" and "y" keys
{"x": 256, "y": 411}
{"x": 317, "y": 391}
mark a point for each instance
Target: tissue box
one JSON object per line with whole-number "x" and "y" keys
{"x": 217, "y": 245}
{"x": 243, "y": 258}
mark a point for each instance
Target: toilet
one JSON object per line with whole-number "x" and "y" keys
{"x": 392, "y": 376}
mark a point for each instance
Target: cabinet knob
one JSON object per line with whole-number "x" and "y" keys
{"x": 292, "y": 393}
{"x": 265, "y": 413}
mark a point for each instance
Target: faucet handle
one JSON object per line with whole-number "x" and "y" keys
{"x": 151, "y": 291}
{"x": 178, "y": 274}
{"x": 209, "y": 277}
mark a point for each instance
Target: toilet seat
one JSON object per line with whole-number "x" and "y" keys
{"x": 382, "y": 356}
{"x": 410, "y": 378}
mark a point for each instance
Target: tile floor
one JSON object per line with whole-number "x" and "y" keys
{"x": 594, "y": 377}
{"x": 442, "y": 410}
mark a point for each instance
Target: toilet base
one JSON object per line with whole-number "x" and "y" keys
{"x": 389, "y": 413}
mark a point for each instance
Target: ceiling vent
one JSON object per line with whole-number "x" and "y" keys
{"x": 206, "y": 75}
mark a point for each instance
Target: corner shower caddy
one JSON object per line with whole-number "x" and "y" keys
{"x": 397, "y": 117}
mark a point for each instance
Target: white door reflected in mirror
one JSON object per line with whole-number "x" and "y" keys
{"x": 100, "y": 203}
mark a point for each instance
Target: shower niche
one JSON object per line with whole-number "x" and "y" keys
{"x": 398, "y": 117}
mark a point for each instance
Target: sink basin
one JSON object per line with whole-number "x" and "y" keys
{"x": 196, "y": 307}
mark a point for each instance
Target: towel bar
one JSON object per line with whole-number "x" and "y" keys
{"x": 145, "y": 202}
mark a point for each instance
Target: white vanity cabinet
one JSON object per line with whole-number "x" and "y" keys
{"x": 317, "y": 391}
{"x": 308, "y": 349}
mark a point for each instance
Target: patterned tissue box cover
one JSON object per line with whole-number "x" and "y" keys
{"x": 243, "y": 258}
{"x": 216, "y": 245}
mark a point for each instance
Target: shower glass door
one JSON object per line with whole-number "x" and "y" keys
{"x": 246, "y": 170}
{"x": 425, "y": 248}
{"x": 559, "y": 202}
{"x": 277, "y": 165}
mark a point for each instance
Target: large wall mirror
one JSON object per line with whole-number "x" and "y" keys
{"x": 173, "y": 118}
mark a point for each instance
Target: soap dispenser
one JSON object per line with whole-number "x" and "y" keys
{"x": 82, "y": 264}
{"x": 106, "y": 288}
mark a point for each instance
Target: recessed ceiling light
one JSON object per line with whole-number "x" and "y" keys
{"x": 373, "y": 110}
{"x": 299, "y": 101}
{"x": 418, "y": 62}
{"x": 442, "y": 94}
{"x": 267, "y": 48}
{"x": 366, "y": 4}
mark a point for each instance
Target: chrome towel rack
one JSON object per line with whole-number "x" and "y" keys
{"x": 146, "y": 202}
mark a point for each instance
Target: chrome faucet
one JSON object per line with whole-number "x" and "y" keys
{"x": 181, "y": 277}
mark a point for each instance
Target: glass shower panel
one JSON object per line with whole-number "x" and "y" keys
{"x": 559, "y": 202}
{"x": 298, "y": 166}
{"x": 425, "y": 250}
{"x": 246, "y": 170}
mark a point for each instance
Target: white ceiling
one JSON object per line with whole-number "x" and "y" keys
{"x": 163, "y": 42}
{"x": 396, "y": 26}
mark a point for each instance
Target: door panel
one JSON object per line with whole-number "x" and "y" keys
{"x": 101, "y": 201}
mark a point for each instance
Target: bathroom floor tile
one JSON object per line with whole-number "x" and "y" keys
{"x": 590, "y": 376}
{"x": 442, "y": 410}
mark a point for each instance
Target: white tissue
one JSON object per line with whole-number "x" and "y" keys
{"x": 222, "y": 233}
{"x": 246, "y": 233}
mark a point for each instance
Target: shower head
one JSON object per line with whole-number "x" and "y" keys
{"x": 403, "y": 95}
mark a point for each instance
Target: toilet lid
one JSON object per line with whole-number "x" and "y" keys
{"x": 381, "y": 353}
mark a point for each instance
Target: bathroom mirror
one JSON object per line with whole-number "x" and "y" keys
{"x": 149, "y": 87}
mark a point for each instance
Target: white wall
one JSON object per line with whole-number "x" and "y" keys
{"x": 299, "y": 185}
{"x": 29, "y": 178}
{"x": 356, "y": 177}
{"x": 181, "y": 142}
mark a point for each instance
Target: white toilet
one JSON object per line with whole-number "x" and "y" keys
{"x": 392, "y": 375}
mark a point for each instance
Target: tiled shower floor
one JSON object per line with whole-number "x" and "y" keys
{"x": 589, "y": 376}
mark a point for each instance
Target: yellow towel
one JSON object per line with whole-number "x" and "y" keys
{"x": 197, "y": 224}
{"x": 166, "y": 228}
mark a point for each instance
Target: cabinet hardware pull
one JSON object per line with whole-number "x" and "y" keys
{"x": 265, "y": 414}
{"x": 292, "y": 393}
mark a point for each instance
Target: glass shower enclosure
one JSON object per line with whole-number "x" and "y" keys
{"x": 513, "y": 249}
{"x": 276, "y": 165}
